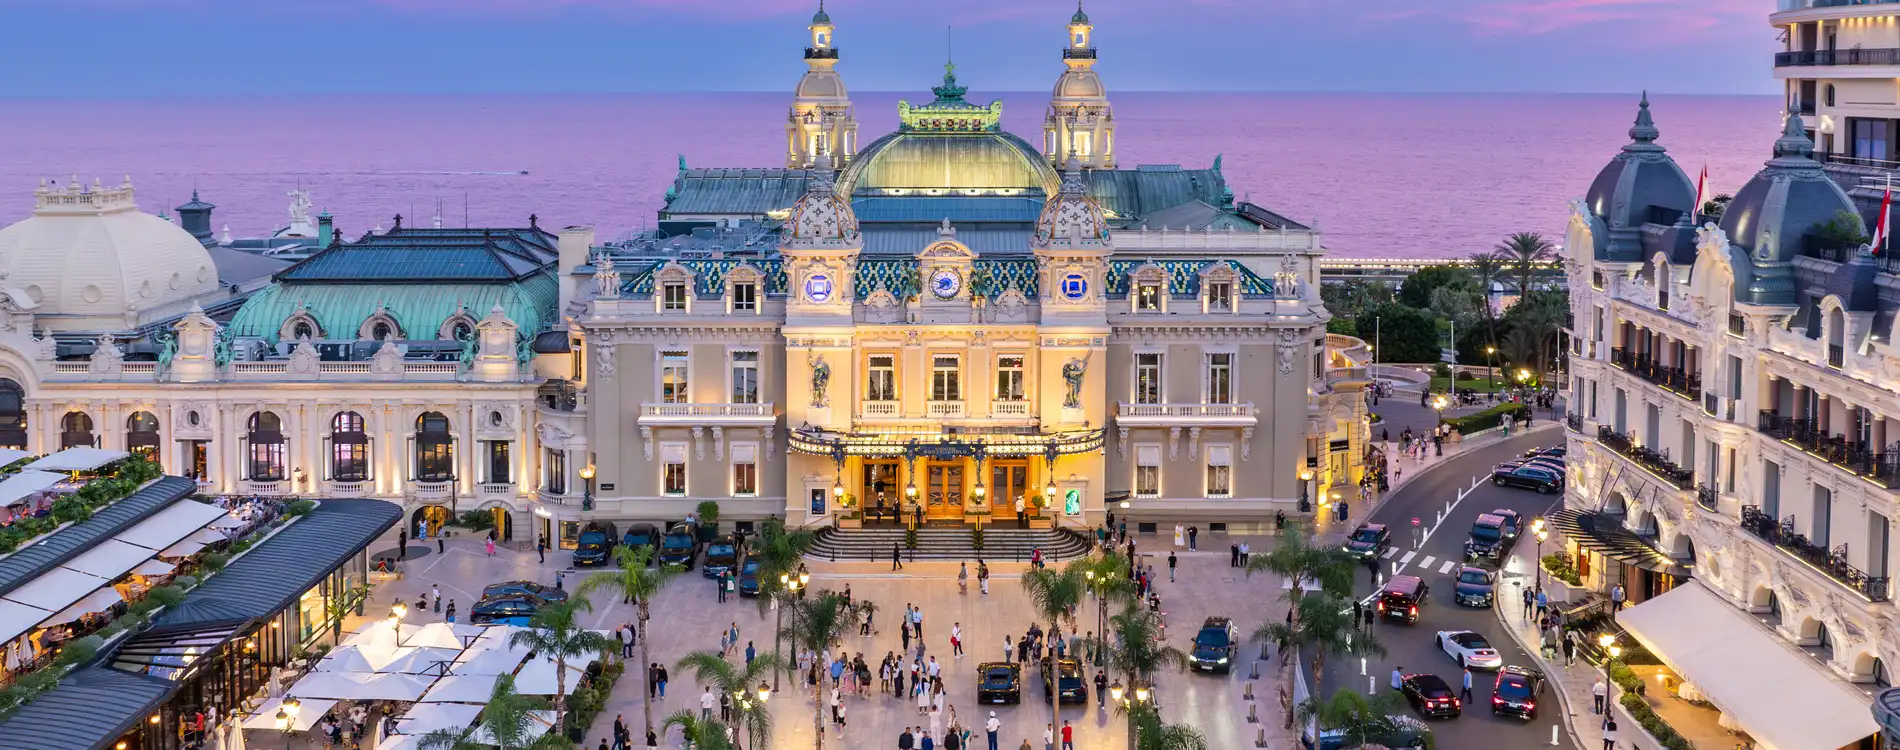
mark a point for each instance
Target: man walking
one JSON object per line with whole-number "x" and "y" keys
{"x": 991, "y": 726}
{"x": 1358, "y": 613}
{"x": 1616, "y": 598}
{"x": 626, "y": 640}
{"x": 1171, "y": 563}
{"x": 541, "y": 548}
{"x": 1465, "y": 694}
{"x": 897, "y": 561}
{"x": 1570, "y": 647}
{"x": 1598, "y": 692}
{"x": 1609, "y": 733}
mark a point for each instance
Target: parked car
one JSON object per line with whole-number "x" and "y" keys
{"x": 1474, "y": 587}
{"x": 1557, "y": 452}
{"x": 1487, "y": 540}
{"x": 1430, "y": 696}
{"x": 1068, "y": 681}
{"x": 1516, "y": 692}
{"x": 999, "y": 682}
{"x": 680, "y": 546}
{"x": 1401, "y": 598}
{"x": 504, "y": 610}
{"x": 749, "y": 577}
{"x": 1213, "y": 649}
{"x": 1469, "y": 649}
{"x": 643, "y": 535}
{"x": 596, "y": 547}
{"x": 1368, "y": 541}
{"x": 524, "y": 588}
{"x": 1513, "y": 523}
{"x": 1402, "y": 733}
{"x": 723, "y": 556}
{"x": 1530, "y": 477}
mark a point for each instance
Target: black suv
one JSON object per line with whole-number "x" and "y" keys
{"x": 1430, "y": 696}
{"x": 1368, "y": 541}
{"x": 1516, "y": 692}
{"x": 1487, "y": 541}
{"x": 1528, "y": 476}
{"x": 724, "y": 555}
{"x": 596, "y": 548}
{"x": 1474, "y": 587}
{"x": 999, "y": 682}
{"x": 681, "y": 545}
{"x": 1401, "y": 598}
{"x": 1213, "y": 648}
{"x": 1068, "y": 681}
{"x": 642, "y": 535}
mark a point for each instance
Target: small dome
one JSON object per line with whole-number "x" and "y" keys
{"x": 1080, "y": 83}
{"x": 821, "y": 18}
{"x": 1072, "y": 217}
{"x": 821, "y": 84}
{"x": 1773, "y": 213}
{"x": 950, "y": 162}
{"x": 1639, "y": 180}
{"x": 1079, "y": 18}
{"x": 89, "y": 252}
{"x": 821, "y": 215}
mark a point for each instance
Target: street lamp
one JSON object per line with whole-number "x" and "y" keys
{"x": 1306, "y": 475}
{"x": 1537, "y": 528}
{"x": 765, "y": 692}
{"x": 587, "y": 478}
{"x": 1141, "y": 694}
{"x": 1115, "y": 691}
{"x": 1490, "y": 375}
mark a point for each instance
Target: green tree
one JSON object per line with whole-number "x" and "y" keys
{"x": 1137, "y": 651}
{"x": 507, "y": 722}
{"x": 1297, "y": 556}
{"x": 637, "y": 583}
{"x": 1417, "y": 289}
{"x": 1055, "y": 594}
{"x": 819, "y": 621}
{"x": 1523, "y": 252}
{"x": 1401, "y": 333}
{"x": 553, "y": 634}
{"x": 740, "y": 681}
{"x": 1151, "y": 733}
{"x": 780, "y": 552}
{"x": 1326, "y": 625}
{"x": 1350, "y": 298}
{"x": 1459, "y": 304}
{"x": 1365, "y": 719}
{"x": 699, "y": 734}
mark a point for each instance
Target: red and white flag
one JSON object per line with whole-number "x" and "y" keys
{"x": 1701, "y": 190}
{"x": 1881, "y": 229}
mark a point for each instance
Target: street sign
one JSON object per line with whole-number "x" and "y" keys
{"x": 1414, "y": 521}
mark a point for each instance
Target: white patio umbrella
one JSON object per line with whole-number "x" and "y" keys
{"x": 424, "y": 718}
{"x": 419, "y": 660}
{"x": 545, "y": 720}
{"x": 537, "y": 677}
{"x": 236, "y": 739}
{"x": 489, "y": 659}
{"x": 354, "y": 659}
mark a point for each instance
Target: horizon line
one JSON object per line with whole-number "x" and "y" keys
{"x": 903, "y": 92}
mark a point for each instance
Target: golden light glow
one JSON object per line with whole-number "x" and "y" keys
{"x": 587, "y": 472}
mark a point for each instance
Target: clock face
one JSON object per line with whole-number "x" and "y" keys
{"x": 818, "y": 288}
{"x": 1075, "y": 286}
{"x": 945, "y": 283}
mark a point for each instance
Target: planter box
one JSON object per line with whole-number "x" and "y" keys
{"x": 850, "y": 523}
{"x": 1560, "y": 592}
{"x": 1036, "y": 522}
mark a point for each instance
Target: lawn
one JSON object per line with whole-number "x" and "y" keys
{"x": 1481, "y": 385}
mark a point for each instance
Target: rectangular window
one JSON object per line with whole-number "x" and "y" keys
{"x": 556, "y": 469}
{"x": 1009, "y": 377}
{"x": 1148, "y": 471}
{"x": 745, "y": 377}
{"x": 1148, "y": 378}
{"x": 944, "y": 385}
{"x": 1871, "y": 139}
{"x": 497, "y": 455}
{"x": 745, "y": 297}
{"x": 1879, "y": 544}
{"x": 1728, "y": 479}
{"x": 1220, "y": 378}
{"x": 673, "y": 469}
{"x": 1735, "y": 377}
{"x": 1220, "y": 460}
{"x": 673, "y": 297}
{"x": 1220, "y": 297}
{"x": 1771, "y": 489}
{"x": 745, "y": 470}
{"x": 881, "y": 379}
{"x": 1823, "y": 519}
{"x": 673, "y": 385}
{"x": 1148, "y": 297}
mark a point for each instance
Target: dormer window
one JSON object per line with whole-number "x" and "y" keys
{"x": 1148, "y": 297}
{"x": 1220, "y": 296}
{"x": 302, "y": 330}
{"x": 745, "y": 297}
{"x": 673, "y": 297}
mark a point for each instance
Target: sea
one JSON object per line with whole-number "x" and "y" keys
{"x": 1380, "y": 175}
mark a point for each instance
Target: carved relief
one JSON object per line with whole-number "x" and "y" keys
{"x": 107, "y": 359}
{"x": 646, "y": 442}
{"x": 303, "y": 359}
{"x": 699, "y": 443}
{"x": 1246, "y": 442}
{"x": 1288, "y": 340}
{"x": 1174, "y": 443}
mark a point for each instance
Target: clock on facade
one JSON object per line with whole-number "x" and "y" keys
{"x": 945, "y": 283}
{"x": 1075, "y": 286}
{"x": 818, "y": 288}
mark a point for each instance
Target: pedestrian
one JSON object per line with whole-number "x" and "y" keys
{"x": 750, "y": 653}
{"x": 402, "y": 544}
{"x": 991, "y": 726}
{"x": 917, "y": 620}
{"x": 1233, "y": 555}
{"x": 904, "y": 625}
{"x": 963, "y": 578}
{"x": 653, "y": 738}
{"x": 662, "y": 681}
{"x": 1609, "y": 733}
{"x": 541, "y": 548}
{"x": 1598, "y": 693}
{"x": 1530, "y": 603}
{"x": 956, "y": 639}
{"x": 653, "y": 680}
{"x": 1194, "y": 533}
{"x": 1543, "y": 602}
{"x": 1370, "y": 613}
{"x": 1570, "y": 647}
{"x": 1022, "y": 519}
{"x": 1101, "y": 688}
{"x": 489, "y": 545}
{"x": 725, "y": 707}
{"x": 626, "y": 640}
{"x": 1049, "y": 737}
{"x": 983, "y": 577}
{"x": 1009, "y": 651}
{"x": 1372, "y": 570}
{"x": 897, "y": 562}
{"x": 1465, "y": 694}
{"x": 1068, "y": 732}
{"x": 719, "y": 588}
{"x": 438, "y": 542}
{"x": 1171, "y": 563}
{"x": 435, "y": 597}
{"x": 1358, "y": 612}
{"x": 1398, "y": 679}
{"x": 1246, "y": 554}
{"x": 706, "y": 703}
{"x": 1617, "y": 595}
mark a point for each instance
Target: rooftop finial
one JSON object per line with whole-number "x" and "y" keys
{"x": 1794, "y": 140}
{"x": 1644, "y": 131}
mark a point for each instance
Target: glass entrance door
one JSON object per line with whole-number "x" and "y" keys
{"x": 944, "y": 495}
{"x": 1008, "y": 480}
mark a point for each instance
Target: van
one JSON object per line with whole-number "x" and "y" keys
{"x": 1401, "y": 598}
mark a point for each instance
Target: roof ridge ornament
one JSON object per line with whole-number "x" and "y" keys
{"x": 1643, "y": 132}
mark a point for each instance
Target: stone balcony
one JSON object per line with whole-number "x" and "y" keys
{"x": 275, "y": 370}
{"x": 727, "y": 415}
{"x": 1186, "y": 415}
{"x": 1825, "y": 563}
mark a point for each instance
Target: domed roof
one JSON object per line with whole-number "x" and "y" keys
{"x": 949, "y": 162}
{"x": 1773, "y": 213}
{"x": 821, "y": 217}
{"x": 1080, "y": 83}
{"x": 1641, "y": 178}
{"x": 821, "y": 18}
{"x": 821, "y": 84}
{"x": 1079, "y": 17}
{"x": 89, "y": 252}
{"x": 1072, "y": 218}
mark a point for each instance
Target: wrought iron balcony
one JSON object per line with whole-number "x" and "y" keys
{"x": 1883, "y": 467}
{"x": 1856, "y": 56}
{"x": 1574, "y": 422}
{"x": 1707, "y": 497}
{"x": 1673, "y": 379}
{"x": 1657, "y": 462}
{"x": 1836, "y": 356}
{"x": 1832, "y": 563}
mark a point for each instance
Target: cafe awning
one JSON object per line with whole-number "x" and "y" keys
{"x": 1606, "y": 535}
{"x": 95, "y": 602}
{"x": 1776, "y": 694}
{"x": 56, "y": 589}
{"x": 166, "y": 527}
{"x": 22, "y": 485}
{"x": 77, "y": 459}
{"x": 109, "y": 559}
{"x": 17, "y": 619}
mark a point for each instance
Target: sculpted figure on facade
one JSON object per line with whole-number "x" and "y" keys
{"x": 820, "y": 380}
{"x": 1072, "y": 373}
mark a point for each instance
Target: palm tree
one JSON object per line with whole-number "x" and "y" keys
{"x": 1151, "y": 733}
{"x": 507, "y": 723}
{"x": 700, "y": 734}
{"x": 1326, "y": 624}
{"x": 780, "y": 552}
{"x": 1298, "y": 558}
{"x": 634, "y": 582}
{"x": 820, "y": 621}
{"x": 1364, "y": 719}
{"x": 1545, "y": 314}
{"x": 1523, "y": 251}
{"x": 1056, "y": 594}
{"x": 738, "y": 681}
{"x": 553, "y": 633}
{"x": 1138, "y": 650}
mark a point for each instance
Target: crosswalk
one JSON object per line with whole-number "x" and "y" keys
{"x": 1390, "y": 551}
{"x": 1427, "y": 562}
{"x": 1407, "y": 559}
{"x": 1446, "y": 570}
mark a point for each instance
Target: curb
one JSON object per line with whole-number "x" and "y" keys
{"x": 1563, "y": 699}
{"x": 1482, "y": 439}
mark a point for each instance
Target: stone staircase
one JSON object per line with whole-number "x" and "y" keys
{"x": 874, "y": 544}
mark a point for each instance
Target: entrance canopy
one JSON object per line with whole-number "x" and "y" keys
{"x": 1606, "y": 535}
{"x": 946, "y": 444}
{"x": 1776, "y": 695}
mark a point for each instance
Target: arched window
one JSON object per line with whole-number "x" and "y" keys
{"x": 266, "y": 448}
{"x": 435, "y": 449}
{"x": 379, "y": 327}
{"x": 460, "y": 327}
{"x": 141, "y": 435}
{"x": 302, "y": 330}
{"x": 1836, "y": 337}
{"x": 1830, "y": 95}
{"x": 12, "y": 415}
{"x": 75, "y": 430}
{"x": 1823, "y": 641}
{"x": 349, "y": 448}
{"x": 381, "y": 331}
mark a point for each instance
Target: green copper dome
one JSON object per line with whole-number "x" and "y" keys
{"x": 821, "y": 17}
{"x": 1079, "y": 17}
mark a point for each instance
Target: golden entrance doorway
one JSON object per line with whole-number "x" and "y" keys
{"x": 1009, "y": 480}
{"x": 943, "y": 490}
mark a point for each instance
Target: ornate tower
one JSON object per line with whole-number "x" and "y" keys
{"x": 820, "y": 245}
{"x": 1080, "y": 120}
{"x": 820, "y": 120}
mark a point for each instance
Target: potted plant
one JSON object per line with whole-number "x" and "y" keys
{"x": 850, "y": 516}
{"x": 1037, "y": 518}
{"x": 708, "y": 512}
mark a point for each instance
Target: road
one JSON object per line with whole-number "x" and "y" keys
{"x": 1412, "y": 647}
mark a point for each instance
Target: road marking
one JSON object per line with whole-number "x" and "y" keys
{"x": 1447, "y": 567}
{"x": 1407, "y": 559}
{"x": 1427, "y": 562}
{"x": 1389, "y": 552}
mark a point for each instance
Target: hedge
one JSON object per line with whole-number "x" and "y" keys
{"x": 79, "y": 506}
{"x": 1488, "y": 418}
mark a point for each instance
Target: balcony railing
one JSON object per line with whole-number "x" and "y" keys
{"x": 1174, "y": 411}
{"x": 1883, "y": 467}
{"x": 1574, "y": 422}
{"x": 1673, "y": 379}
{"x": 944, "y": 409}
{"x": 1856, "y": 56}
{"x": 878, "y": 408}
{"x": 706, "y": 410}
{"x": 1836, "y": 356}
{"x": 1832, "y": 563}
{"x": 1707, "y": 497}
{"x": 1009, "y": 408}
{"x": 1737, "y": 325}
{"x": 1656, "y": 462}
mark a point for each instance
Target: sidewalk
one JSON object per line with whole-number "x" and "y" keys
{"x": 1571, "y": 684}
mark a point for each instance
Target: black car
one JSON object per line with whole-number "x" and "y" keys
{"x": 999, "y": 682}
{"x": 1401, "y": 598}
{"x": 1513, "y": 523}
{"x": 1430, "y": 696}
{"x": 504, "y": 610}
{"x": 1068, "y": 680}
{"x": 1516, "y": 692}
{"x": 596, "y": 548}
{"x": 1487, "y": 540}
{"x": 1528, "y": 476}
{"x": 1474, "y": 587}
{"x": 1557, "y": 452}
{"x": 749, "y": 577}
{"x": 642, "y": 535}
{"x": 1213, "y": 649}
{"x": 524, "y": 588}
{"x": 724, "y": 555}
{"x": 1368, "y": 541}
{"x": 681, "y": 546}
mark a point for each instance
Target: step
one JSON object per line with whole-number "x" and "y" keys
{"x": 947, "y": 544}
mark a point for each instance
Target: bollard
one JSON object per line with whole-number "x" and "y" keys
{"x": 1553, "y": 734}
{"x": 1253, "y": 713}
{"x": 1362, "y": 667}
{"x": 1372, "y": 685}
{"x": 1248, "y": 693}
{"x": 1261, "y": 740}
{"x": 1254, "y": 674}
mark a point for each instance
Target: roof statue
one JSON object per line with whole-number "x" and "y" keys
{"x": 300, "y": 225}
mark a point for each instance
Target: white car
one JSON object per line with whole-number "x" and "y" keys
{"x": 1469, "y": 649}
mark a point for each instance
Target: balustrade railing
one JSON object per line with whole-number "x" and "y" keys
{"x": 1883, "y": 466}
{"x": 1832, "y": 563}
{"x": 1574, "y": 422}
{"x": 1707, "y": 497}
{"x": 1657, "y": 462}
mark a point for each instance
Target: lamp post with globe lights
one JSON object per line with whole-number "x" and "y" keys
{"x": 1538, "y": 530}
{"x": 587, "y": 482}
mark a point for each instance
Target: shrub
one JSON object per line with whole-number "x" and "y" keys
{"x": 1467, "y": 375}
{"x": 976, "y": 538}
{"x": 1557, "y": 564}
{"x": 300, "y": 508}
{"x": 165, "y": 596}
{"x": 1653, "y": 724}
{"x": 1488, "y": 418}
{"x": 708, "y": 513}
{"x": 1441, "y": 370}
{"x": 476, "y": 520}
{"x": 214, "y": 562}
{"x": 910, "y": 538}
{"x": 80, "y": 651}
{"x": 72, "y": 509}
